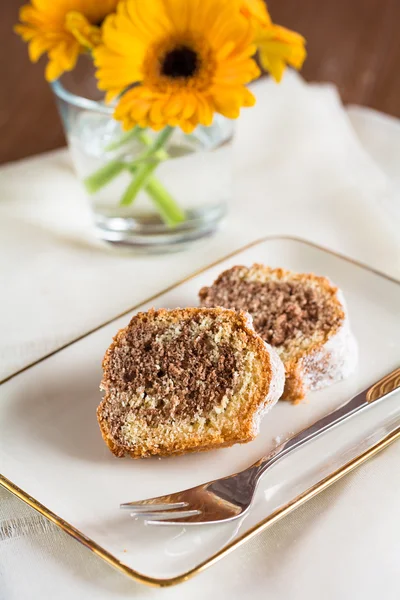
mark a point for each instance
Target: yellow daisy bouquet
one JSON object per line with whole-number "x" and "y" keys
{"x": 168, "y": 68}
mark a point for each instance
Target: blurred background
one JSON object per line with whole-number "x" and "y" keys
{"x": 352, "y": 43}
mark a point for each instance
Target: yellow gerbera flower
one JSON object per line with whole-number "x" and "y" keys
{"x": 182, "y": 60}
{"x": 277, "y": 45}
{"x": 62, "y": 29}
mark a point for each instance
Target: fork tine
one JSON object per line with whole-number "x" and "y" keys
{"x": 154, "y": 516}
{"x": 195, "y": 519}
{"x": 148, "y": 506}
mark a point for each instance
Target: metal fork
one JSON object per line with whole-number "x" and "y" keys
{"x": 230, "y": 497}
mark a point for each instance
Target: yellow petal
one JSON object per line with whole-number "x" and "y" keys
{"x": 225, "y": 49}
{"x": 36, "y": 48}
{"x": 150, "y": 19}
{"x": 53, "y": 70}
{"x": 205, "y": 110}
{"x": 187, "y": 126}
{"x": 121, "y": 39}
{"x": 279, "y": 46}
{"x": 236, "y": 72}
{"x": 66, "y": 54}
{"x": 89, "y": 36}
{"x": 28, "y": 14}
{"x": 273, "y": 64}
{"x": 27, "y": 33}
{"x": 228, "y": 102}
{"x": 111, "y": 94}
{"x": 256, "y": 11}
{"x": 174, "y": 106}
{"x": 156, "y": 111}
{"x": 287, "y": 35}
{"x": 189, "y": 107}
{"x": 156, "y": 126}
{"x": 183, "y": 15}
{"x": 248, "y": 98}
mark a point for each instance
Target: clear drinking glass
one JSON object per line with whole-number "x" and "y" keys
{"x": 188, "y": 180}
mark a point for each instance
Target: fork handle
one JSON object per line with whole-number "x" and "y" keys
{"x": 378, "y": 391}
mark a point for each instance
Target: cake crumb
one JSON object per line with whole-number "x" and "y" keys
{"x": 281, "y": 310}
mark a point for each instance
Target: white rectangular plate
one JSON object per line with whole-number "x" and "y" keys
{"x": 52, "y": 455}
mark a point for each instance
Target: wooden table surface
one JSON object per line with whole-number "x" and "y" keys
{"x": 352, "y": 43}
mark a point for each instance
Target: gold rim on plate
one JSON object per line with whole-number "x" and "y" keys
{"x": 262, "y": 525}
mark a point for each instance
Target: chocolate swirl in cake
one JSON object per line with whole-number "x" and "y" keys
{"x": 173, "y": 371}
{"x": 280, "y": 309}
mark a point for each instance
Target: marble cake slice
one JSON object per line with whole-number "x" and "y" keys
{"x": 186, "y": 380}
{"x": 302, "y": 316}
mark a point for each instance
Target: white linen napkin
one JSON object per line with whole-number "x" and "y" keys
{"x": 302, "y": 168}
{"x": 380, "y": 136}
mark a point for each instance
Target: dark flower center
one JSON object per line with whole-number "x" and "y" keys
{"x": 180, "y": 62}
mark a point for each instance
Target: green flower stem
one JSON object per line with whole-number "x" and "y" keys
{"x": 147, "y": 141}
{"x": 110, "y": 170}
{"x": 157, "y": 157}
{"x": 128, "y": 136}
{"x": 145, "y": 138}
{"x": 103, "y": 176}
{"x": 146, "y": 169}
{"x": 141, "y": 177}
{"x": 154, "y": 148}
{"x": 161, "y": 139}
{"x": 169, "y": 210}
{"x": 142, "y": 170}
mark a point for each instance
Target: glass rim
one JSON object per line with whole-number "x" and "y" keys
{"x": 80, "y": 101}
